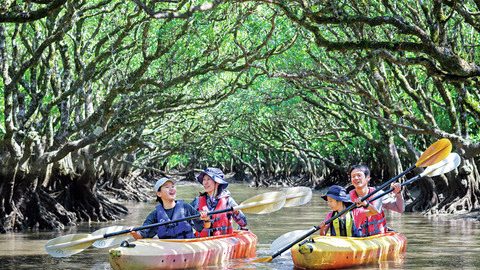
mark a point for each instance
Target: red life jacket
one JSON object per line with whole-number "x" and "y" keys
{"x": 371, "y": 225}
{"x": 221, "y": 224}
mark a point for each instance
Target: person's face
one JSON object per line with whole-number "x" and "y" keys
{"x": 334, "y": 204}
{"x": 358, "y": 178}
{"x": 208, "y": 184}
{"x": 167, "y": 192}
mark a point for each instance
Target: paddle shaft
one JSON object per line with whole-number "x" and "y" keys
{"x": 166, "y": 222}
{"x": 391, "y": 181}
{"x": 316, "y": 228}
{"x": 230, "y": 209}
{"x": 429, "y": 159}
{"x": 408, "y": 182}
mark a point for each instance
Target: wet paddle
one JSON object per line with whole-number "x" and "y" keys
{"x": 296, "y": 196}
{"x": 65, "y": 246}
{"x": 434, "y": 154}
{"x": 446, "y": 165}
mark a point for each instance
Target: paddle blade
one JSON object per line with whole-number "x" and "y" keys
{"x": 435, "y": 153}
{"x": 111, "y": 241}
{"x": 67, "y": 245}
{"x": 263, "y": 204}
{"x": 262, "y": 260}
{"x": 286, "y": 239}
{"x": 446, "y": 165}
{"x": 297, "y": 196}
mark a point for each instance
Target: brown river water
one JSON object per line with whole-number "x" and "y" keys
{"x": 433, "y": 243}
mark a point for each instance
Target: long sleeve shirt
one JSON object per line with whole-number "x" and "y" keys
{"x": 393, "y": 202}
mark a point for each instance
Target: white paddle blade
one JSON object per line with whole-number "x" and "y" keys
{"x": 286, "y": 239}
{"x": 297, "y": 196}
{"x": 67, "y": 245}
{"x": 446, "y": 165}
{"x": 263, "y": 204}
{"x": 113, "y": 240}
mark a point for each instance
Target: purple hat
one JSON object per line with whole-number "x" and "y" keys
{"x": 214, "y": 173}
{"x": 338, "y": 193}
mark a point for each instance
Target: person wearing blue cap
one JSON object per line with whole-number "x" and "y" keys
{"x": 345, "y": 225}
{"x": 216, "y": 197}
{"x": 168, "y": 209}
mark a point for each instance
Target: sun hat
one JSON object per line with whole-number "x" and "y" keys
{"x": 214, "y": 173}
{"x": 160, "y": 183}
{"x": 338, "y": 193}
{"x": 217, "y": 176}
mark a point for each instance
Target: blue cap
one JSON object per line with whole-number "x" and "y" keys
{"x": 338, "y": 193}
{"x": 160, "y": 183}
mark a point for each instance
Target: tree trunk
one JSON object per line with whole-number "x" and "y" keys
{"x": 463, "y": 193}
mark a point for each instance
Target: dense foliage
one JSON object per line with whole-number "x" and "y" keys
{"x": 289, "y": 92}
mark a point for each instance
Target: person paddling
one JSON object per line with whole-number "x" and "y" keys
{"x": 376, "y": 223}
{"x": 217, "y": 197}
{"x": 170, "y": 209}
{"x": 345, "y": 225}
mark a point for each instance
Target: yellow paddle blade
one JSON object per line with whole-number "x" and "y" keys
{"x": 111, "y": 241}
{"x": 263, "y": 204}
{"x": 296, "y": 196}
{"x": 435, "y": 153}
{"x": 67, "y": 245}
{"x": 448, "y": 164}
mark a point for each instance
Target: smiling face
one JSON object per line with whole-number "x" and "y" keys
{"x": 209, "y": 185}
{"x": 358, "y": 178}
{"x": 167, "y": 192}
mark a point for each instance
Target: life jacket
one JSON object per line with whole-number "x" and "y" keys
{"x": 371, "y": 225}
{"x": 335, "y": 225}
{"x": 221, "y": 224}
{"x": 178, "y": 230}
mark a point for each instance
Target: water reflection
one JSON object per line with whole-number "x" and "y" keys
{"x": 433, "y": 242}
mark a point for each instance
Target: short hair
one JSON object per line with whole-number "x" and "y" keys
{"x": 361, "y": 167}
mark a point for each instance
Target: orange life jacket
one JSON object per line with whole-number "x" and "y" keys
{"x": 371, "y": 225}
{"x": 221, "y": 224}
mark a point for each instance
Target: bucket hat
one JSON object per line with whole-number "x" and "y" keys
{"x": 214, "y": 173}
{"x": 338, "y": 193}
{"x": 217, "y": 176}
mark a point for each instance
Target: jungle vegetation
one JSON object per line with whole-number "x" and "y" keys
{"x": 98, "y": 96}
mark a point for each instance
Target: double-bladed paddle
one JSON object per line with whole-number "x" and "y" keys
{"x": 434, "y": 154}
{"x": 448, "y": 164}
{"x": 65, "y": 246}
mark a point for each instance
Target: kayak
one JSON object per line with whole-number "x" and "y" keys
{"x": 183, "y": 253}
{"x": 327, "y": 252}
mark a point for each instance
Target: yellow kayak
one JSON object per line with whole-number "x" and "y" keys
{"x": 327, "y": 252}
{"x": 183, "y": 253}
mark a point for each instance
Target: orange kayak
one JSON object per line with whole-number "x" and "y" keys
{"x": 184, "y": 253}
{"x": 327, "y": 252}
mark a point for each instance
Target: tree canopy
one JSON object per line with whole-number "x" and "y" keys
{"x": 290, "y": 92}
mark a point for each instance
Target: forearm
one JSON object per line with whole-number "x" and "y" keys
{"x": 399, "y": 204}
{"x": 240, "y": 219}
{"x": 238, "y": 216}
